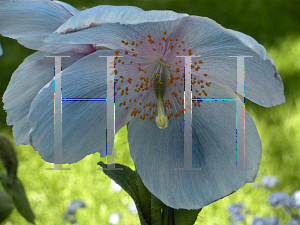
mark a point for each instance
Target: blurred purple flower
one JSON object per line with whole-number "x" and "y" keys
{"x": 74, "y": 205}
{"x": 235, "y": 208}
{"x": 294, "y": 222}
{"x": 258, "y": 221}
{"x": 271, "y": 220}
{"x": 72, "y": 208}
{"x": 238, "y": 217}
{"x": 269, "y": 181}
{"x": 278, "y": 199}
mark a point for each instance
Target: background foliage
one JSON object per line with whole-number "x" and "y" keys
{"x": 273, "y": 23}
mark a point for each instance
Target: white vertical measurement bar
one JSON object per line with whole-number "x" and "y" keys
{"x": 188, "y": 151}
{"x": 240, "y": 114}
{"x": 57, "y": 115}
{"x": 110, "y": 113}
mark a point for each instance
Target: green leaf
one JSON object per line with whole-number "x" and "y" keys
{"x": 185, "y": 216}
{"x": 8, "y": 157}
{"x": 17, "y": 192}
{"x": 127, "y": 179}
{"x": 6, "y": 206}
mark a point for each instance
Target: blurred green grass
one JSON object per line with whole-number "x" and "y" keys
{"x": 273, "y": 23}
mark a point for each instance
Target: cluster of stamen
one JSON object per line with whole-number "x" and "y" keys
{"x": 147, "y": 80}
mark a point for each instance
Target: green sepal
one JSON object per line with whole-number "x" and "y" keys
{"x": 6, "y": 206}
{"x": 127, "y": 179}
{"x": 185, "y": 216}
{"x": 17, "y": 192}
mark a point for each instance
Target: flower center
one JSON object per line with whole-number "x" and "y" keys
{"x": 156, "y": 70}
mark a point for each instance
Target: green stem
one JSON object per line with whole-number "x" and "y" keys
{"x": 170, "y": 216}
{"x": 156, "y": 216}
{"x": 165, "y": 215}
{"x": 145, "y": 199}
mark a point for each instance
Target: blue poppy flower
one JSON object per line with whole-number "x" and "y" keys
{"x": 149, "y": 83}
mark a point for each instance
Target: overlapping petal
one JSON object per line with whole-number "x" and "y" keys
{"x": 263, "y": 84}
{"x": 30, "y": 77}
{"x": 83, "y": 122}
{"x": 31, "y": 20}
{"x": 204, "y": 37}
{"x": 158, "y": 152}
{"x": 105, "y": 14}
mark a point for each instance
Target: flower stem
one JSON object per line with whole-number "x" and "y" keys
{"x": 156, "y": 216}
{"x": 145, "y": 198}
{"x": 170, "y": 216}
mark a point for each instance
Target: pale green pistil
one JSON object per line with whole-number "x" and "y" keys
{"x": 161, "y": 119}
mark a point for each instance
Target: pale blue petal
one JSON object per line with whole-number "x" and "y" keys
{"x": 31, "y": 20}
{"x": 83, "y": 122}
{"x": 103, "y": 14}
{"x": 157, "y": 152}
{"x": 111, "y": 35}
{"x": 32, "y": 75}
{"x": 1, "y": 50}
{"x": 68, "y": 7}
{"x": 204, "y": 37}
{"x": 215, "y": 44}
